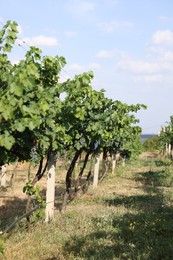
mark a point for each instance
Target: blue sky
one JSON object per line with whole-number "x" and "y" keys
{"x": 128, "y": 44}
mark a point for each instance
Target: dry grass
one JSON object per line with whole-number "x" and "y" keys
{"x": 125, "y": 218}
{"x": 12, "y": 198}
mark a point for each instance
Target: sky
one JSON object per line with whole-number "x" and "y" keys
{"x": 128, "y": 44}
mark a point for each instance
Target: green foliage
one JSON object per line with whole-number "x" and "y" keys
{"x": 31, "y": 190}
{"x": 152, "y": 144}
{"x": 8, "y": 35}
{"x": 1, "y": 246}
{"x": 132, "y": 148}
{"x": 96, "y": 122}
{"x": 166, "y": 136}
{"x": 38, "y": 215}
{"x": 30, "y": 105}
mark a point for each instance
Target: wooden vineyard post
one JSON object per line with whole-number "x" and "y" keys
{"x": 50, "y": 192}
{"x": 3, "y": 176}
{"x": 96, "y": 171}
{"x": 113, "y": 163}
{"x": 169, "y": 150}
{"x": 124, "y": 161}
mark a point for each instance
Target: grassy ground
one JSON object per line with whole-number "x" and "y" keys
{"x": 129, "y": 216}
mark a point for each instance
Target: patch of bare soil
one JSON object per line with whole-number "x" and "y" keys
{"x": 150, "y": 155}
{"x": 13, "y": 200}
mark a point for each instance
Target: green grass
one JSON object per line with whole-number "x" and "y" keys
{"x": 129, "y": 216}
{"x": 128, "y": 236}
{"x": 158, "y": 177}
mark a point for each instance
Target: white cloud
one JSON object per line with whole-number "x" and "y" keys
{"x": 168, "y": 55}
{"x": 144, "y": 67}
{"x": 164, "y": 18}
{"x": 164, "y": 37}
{"x": 156, "y": 66}
{"x": 137, "y": 66}
{"x": 155, "y": 78}
{"x": 77, "y": 68}
{"x": 41, "y": 40}
{"x": 15, "y": 61}
{"x": 157, "y": 49}
{"x": 63, "y": 78}
{"x": 94, "y": 66}
{"x": 163, "y": 53}
{"x": 105, "y": 54}
{"x": 86, "y": 6}
{"x": 113, "y": 25}
{"x": 70, "y": 34}
{"x": 80, "y": 8}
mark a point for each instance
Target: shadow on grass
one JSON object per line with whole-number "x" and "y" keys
{"x": 142, "y": 202}
{"x": 147, "y": 235}
{"x": 156, "y": 179}
{"x": 13, "y": 208}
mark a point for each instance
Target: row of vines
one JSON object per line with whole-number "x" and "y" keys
{"x": 166, "y": 139}
{"x": 43, "y": 119}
